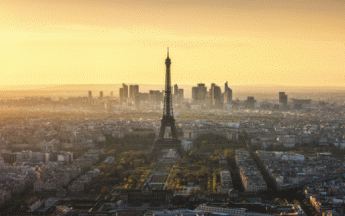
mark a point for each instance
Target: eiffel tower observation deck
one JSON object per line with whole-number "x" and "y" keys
{"x": 168, "y": 120}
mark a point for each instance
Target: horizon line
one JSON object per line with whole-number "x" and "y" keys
{"x": 128, "y": 83}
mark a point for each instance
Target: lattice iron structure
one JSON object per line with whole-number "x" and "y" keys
{"x": 168, "y": 116}
{"x": 168, "y": 119}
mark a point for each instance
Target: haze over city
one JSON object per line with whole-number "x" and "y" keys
{"x": 172, "y": 108}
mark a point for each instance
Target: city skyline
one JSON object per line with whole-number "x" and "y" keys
{"x": 83, "y": 150}
{"x": 287, "y": 43}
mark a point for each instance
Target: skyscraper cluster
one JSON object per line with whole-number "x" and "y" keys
{"x": 131, "y": 96}
{"x": 212, "y": 98}
{"x": 199, "y": 93}
{"x": 202, "y": 98}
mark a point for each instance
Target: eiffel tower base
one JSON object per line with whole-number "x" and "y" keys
{"x": 161, "y": 144}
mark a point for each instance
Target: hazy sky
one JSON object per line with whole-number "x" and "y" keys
{"x": 286, "y": 42}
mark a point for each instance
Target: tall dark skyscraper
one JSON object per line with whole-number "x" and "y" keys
{"x": 123, "y": 93}
{"x": 216, "y": 96}
{"x": 175, "y": 89}
{"x": 194, "y": 94}
{"x": 283, "y": 98}
{"x": 133, "y": 91}
{"x": 125, "y": 90}
{"x": 101, "y": 94}
{"x": 178, "y": 95}
{"x": 227, "y": 94}
{"x": 168, "y": 120}
{"x": 212, "y": 93}
{"x": 90, "y": 94}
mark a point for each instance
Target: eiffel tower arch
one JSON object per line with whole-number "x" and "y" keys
{"x": 168, "y": 120}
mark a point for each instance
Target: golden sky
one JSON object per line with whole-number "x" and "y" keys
{"x": 285, "y": 42}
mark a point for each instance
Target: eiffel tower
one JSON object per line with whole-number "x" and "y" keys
{"x": 168, "y": 120}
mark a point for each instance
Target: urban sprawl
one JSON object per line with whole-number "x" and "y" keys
{"x": 91, "y": 155}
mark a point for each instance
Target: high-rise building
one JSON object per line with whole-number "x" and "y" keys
{"x": 101, "y": 95}
{"x": 250, "y": 102}
{"x": 90, "y": 94}
{"x": 227, "y": 94}
{"x": 125, "y": 90}
{"x": 212, "y": 94}
{"x": 133, "y": 91}
{"x": 178, "y": 95}
{"x": 283, "y": 98}
{"x": 216, "y": 96}
{"x": 123, "y": 93}
{"x": 175, "y": 89}
{"x": 195, "y": 94}
{"x": 199, "y": 93}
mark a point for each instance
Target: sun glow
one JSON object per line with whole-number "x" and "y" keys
{"x": 92, "y": 42}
